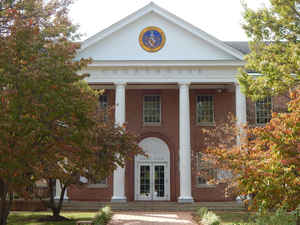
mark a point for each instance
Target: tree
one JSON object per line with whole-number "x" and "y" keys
{"x": 106, "y": 147}
{"x": 37, "y": 92}
{"x": 267, "y": 166}
{"x": 48, "y": 121}
{"x": 275, "y": 49}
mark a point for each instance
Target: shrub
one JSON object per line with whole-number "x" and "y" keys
{"x": 207, "y": 217}
{"x": 201, "y": 212}
{"x": 103, "y": 217}
{"x": 210, "y": 218}
{"x": 280, "y": 217}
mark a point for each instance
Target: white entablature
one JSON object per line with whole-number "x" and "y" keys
{"x": 162, "y": 75}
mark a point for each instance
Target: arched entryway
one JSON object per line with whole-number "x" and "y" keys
{"x": 152, "y": 173}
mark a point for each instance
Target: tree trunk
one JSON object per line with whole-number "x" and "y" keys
{"x": 5, "y": 204}
{"x": 52, "y": 204}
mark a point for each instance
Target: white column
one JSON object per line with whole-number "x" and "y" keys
{"x": 119, "y": 173}
{"x": 58, "y": 191}
{"x": 241, "y": 113}
{"x": 184, "y": 144}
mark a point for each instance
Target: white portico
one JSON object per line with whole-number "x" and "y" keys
{"x": 190, "y": 59}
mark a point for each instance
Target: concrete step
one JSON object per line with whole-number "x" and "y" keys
{"x": 152, "y": 206}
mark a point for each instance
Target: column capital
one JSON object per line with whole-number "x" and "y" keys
{"x": 237, "y": 84}
{"x": 120, "y": 83}
{"x": 182, "y": 84}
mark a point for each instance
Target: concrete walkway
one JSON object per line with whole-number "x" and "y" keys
{"x": 151, "y": 218}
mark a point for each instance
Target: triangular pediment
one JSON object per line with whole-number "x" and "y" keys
{"x": 120, "y": 42}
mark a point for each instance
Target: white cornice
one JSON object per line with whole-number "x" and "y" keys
{"x": 161, "y": 75}
{"x": 168, "y": 16}
{"x": 166, "y": 63}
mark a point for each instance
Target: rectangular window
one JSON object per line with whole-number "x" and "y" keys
{"x": 103, "y": 106}
{"x": 205, "y": 171}
{"x": 100, "y": 183}
{"x": 263, "y": 110}
{"x": 152, "y": 109}
{"x": 205, "y": 109}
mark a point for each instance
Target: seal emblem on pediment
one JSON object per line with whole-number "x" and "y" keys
{"x": 152, "y": 39}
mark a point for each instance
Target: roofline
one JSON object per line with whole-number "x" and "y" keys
{"x": 152, "y": 7}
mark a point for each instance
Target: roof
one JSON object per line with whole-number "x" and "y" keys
{"x": 242, "y": 46}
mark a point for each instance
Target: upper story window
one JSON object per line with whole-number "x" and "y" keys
{"x": 152, "y": 109}
{"x": 103, "y": 105}
{"x": 205, "y": 109}
{"x": 205, "y": 171}
{"x": 263, "y": 110}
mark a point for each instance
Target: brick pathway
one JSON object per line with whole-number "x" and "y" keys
{"x": 151, "y": 218}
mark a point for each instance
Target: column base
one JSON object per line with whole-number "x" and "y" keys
{"x": 119, "y": 199}
{"x": 185, "y": 200}
{"x": 57, "y": 198}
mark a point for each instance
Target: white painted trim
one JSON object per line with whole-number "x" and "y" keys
{"x": 162, "y": 75}
{"x": 169, "y": 17}
{"x": 165, "y": 63}
{"x": 159, "y": 153}
{"x": 99, "y": 86}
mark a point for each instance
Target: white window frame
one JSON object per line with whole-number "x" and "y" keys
{"x": 213, "y": 111}
{"x": 198, "y": 168}
{"x": 271, "y": 102}
{"x": 98, "y": 185}
{"x": 104, "y": 109}
{"x": 152, "y": 123}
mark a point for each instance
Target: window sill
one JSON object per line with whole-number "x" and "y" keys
{"x": 206, "y": 186}
{"x": 97, "y": 186}
{"x": 207, "y": 124}
{"x": 152, "y": 124}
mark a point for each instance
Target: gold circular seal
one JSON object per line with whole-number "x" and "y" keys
{"x": 152, "y": 39}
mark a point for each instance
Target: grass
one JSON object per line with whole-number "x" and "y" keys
{"x": 31, "y": 218}
{"x": 229, "y": 218}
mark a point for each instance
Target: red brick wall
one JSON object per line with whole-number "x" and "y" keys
{"x": 169, "y": 132}
{"x": 224, "y": 103}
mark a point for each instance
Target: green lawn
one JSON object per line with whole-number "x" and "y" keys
{"x": 229, "y": 218}
{"x": 31, "y": 218}
{"x": 233, "y": 217}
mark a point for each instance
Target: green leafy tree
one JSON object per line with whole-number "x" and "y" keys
{"x": 275, "y": 49}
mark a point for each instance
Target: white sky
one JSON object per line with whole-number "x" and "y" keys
{"x": 220, "y": 18}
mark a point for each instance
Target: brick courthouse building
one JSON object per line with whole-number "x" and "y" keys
{"x": 168, "y": 80}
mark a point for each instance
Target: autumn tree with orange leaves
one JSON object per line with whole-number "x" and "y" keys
{"x": 267, "y": 165}
{"x": 48, "y": 125}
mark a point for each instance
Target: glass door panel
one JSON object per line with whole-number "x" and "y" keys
{"x": 159, "y": 182}
{"x": 145, "y": 179}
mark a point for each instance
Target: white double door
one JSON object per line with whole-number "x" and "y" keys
{"x": 152, "y": 181}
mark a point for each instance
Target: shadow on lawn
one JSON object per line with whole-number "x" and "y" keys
{"x": 34, "y": 219}
{"x": 234, "y": 217}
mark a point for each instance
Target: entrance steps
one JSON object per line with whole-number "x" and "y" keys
{"x": 152, "y": 206}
